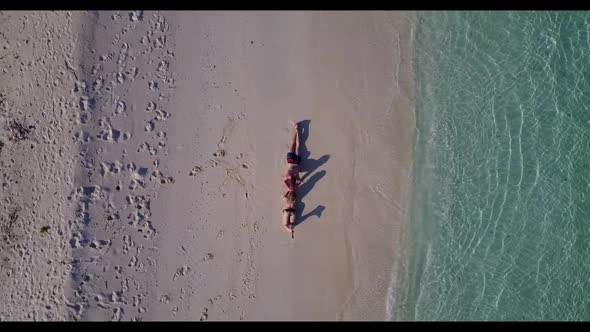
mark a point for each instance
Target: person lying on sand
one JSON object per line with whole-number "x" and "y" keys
{"x": 289, "y": 210}
{"x": 291, "y": 178}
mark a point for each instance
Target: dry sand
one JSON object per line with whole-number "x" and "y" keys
{"x": 155, "y": 157}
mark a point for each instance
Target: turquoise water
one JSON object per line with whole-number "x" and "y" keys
{"x": 501, "y": 208}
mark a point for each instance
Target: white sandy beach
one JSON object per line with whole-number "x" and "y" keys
{"x": 154, "y": 159}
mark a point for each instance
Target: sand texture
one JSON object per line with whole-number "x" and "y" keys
{"x": 141, "y": 157}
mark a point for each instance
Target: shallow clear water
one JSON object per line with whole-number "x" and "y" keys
{"x": 501, "y": 208}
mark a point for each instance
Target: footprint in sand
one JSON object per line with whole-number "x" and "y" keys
{"x": 149, "y": 126}
{"x": 132, "y": 262}
{"x": 97, "y": 84}
{"x": 196, "y": 170}
{"x": 82, "y": 137}
{"x": 80, "y": 87}
{"x": 123, "y": 53}
{"x": 108, "y": 134}
{"x": 126, "y": 244}
{"x": 151, "y": 106}
{"x": 136, "y": 16}
{"x": 166, "y": 299}
{"x": 83, "y": 117}
{"x": 87, "y": 104}
{"x": 116, "y": 39}
{"x": 100, "y": 244}
{"x": 132, "y": 73}
{"x": 119, "y": 107}
{"x": 204, "y": 315}
{"x": 163, "y": 66}
{"x": 107, "y": 168}
{"x": 161, "y": 115}
{"x": 134, "y": 184}
{"x": 96, "y": 68}
{"x": 159, "y": 42}
{"x": 180, "y": 272}
{"x": 117, "y": 313}
{"x": 77, "y": 240}
{"x": 159, "y": 177}
{"x": 119, "y": 78}
{"x": 106, "y": 57}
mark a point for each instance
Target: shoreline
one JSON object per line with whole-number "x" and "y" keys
{"x": 396, "y": 297}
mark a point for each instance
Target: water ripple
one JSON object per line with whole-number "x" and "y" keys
{"x": 503, "y": 126}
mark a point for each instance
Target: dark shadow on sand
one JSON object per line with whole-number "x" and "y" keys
{"x": 308, "y": 181}
{"x": 315, "y": 212}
